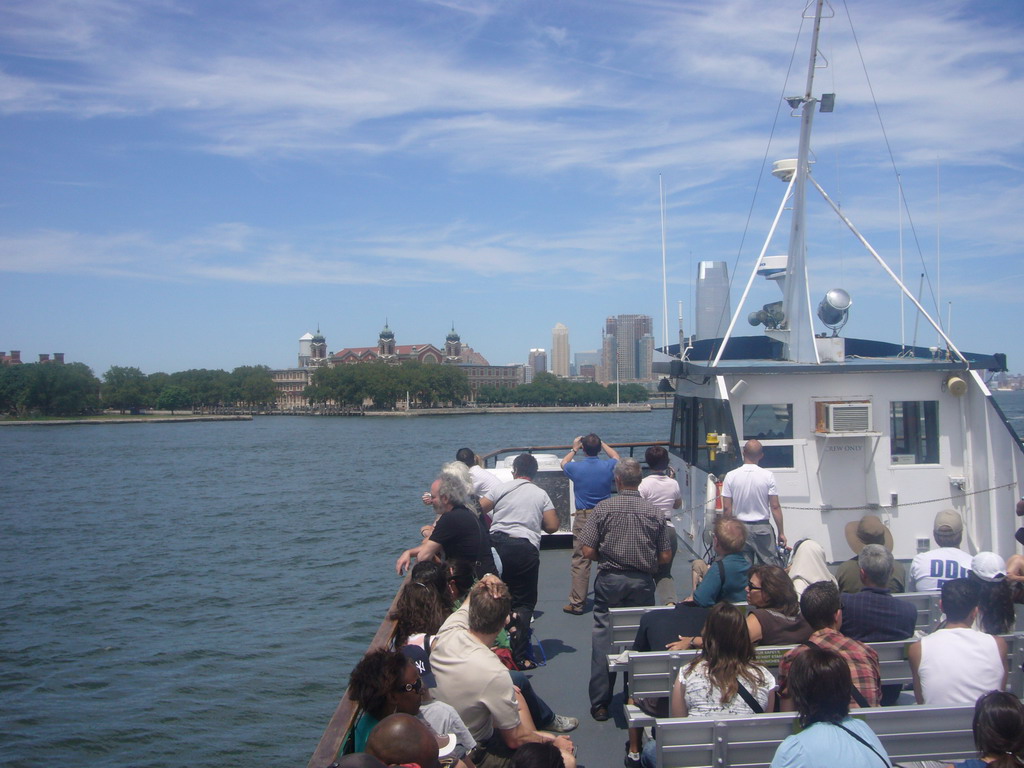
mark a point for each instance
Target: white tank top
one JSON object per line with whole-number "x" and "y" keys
{"x": 958, "y": 665}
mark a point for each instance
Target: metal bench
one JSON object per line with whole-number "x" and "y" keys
{"x": 908, "y": 733}
{"x": 626, "y": 621}
{"x": 651, "y": 675}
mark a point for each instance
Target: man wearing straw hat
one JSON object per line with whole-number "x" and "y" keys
{"x": 868, "y": 530}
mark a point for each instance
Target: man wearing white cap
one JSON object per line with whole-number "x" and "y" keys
{"x": 930, "y": 570}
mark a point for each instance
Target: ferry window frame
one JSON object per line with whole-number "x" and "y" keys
{"x": 692, "y": 419}
{"x": 779, "y": 452}
{"x": 914, "y": 431}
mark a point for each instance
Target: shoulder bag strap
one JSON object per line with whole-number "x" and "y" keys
{"x": 721, "y": 572}
{"x": 885, "y": 762}
{"x": 855, "y": 693}
{"x": 748, "y": 697}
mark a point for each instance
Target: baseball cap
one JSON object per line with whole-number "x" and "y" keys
{"x": 988, "y": 566}
{"x": 419, "y": 657}
{"x": 948, "y": 521}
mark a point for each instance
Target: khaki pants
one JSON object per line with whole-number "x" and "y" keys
{"x": 580, "y": 565}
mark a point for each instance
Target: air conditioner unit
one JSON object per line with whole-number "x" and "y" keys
{"x": 842, "y": 417}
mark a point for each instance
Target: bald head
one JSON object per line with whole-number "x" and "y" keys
{"x": 752, "y": 451}
{"x": 359, "y": 760}
{"x": 400, "y": 739}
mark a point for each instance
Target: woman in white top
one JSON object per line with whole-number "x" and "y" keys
{"x": 711, "y": 683}
{"x": 661, "y": 488}
{"x": 807, "y": 565}
{"x": 723, "y": 679}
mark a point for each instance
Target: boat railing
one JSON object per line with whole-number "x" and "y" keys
{"x": 491, "y": 459}
{"x": 345, "y": 715}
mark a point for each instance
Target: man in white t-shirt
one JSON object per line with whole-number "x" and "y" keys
{"x": 520, "y": 510}
{"x": 749, "y": 494}
{"x": 483, "y": 481}
{"x": 930, "y": 570}
{"x": 661, "y": 488}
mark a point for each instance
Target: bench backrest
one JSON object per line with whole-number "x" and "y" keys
{"x": 626, "y": 621}
{"x": 907, "y": 733}
{"x": 652, "y": 674}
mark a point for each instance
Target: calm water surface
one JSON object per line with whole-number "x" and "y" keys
{"x": 196, "y": 594}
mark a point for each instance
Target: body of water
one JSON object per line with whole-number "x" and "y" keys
{"x": 196, "y": 594}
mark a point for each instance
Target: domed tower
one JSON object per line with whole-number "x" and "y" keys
{"x": 318, "y": 348}
{"x": 386, "y": 342}
{"x": 452, "y": 346}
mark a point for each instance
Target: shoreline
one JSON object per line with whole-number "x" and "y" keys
{"x": 632, "y": 408}
{"x": 166, "y": 419}
{"x": 118, "y": 420}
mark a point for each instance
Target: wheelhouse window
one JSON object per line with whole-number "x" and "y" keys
{"x": 693, "y": 420}
{"x": 914, "y": 432}
{"x": 768, "y": 422}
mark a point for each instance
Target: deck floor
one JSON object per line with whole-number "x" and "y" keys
{"x": 565, "y": 640}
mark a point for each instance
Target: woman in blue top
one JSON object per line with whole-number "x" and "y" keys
{"x": 820, "y": 683}
{"x": 998, "y": 732}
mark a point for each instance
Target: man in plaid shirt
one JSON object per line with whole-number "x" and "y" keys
{"x": 822, "y": 608}
{"x": 629, "y": 539}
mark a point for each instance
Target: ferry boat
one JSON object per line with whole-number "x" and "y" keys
{"x": 849, "y": 426}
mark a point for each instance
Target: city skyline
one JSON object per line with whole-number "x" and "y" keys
{"x": 193, "y": 185}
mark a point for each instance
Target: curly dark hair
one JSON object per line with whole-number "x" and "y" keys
{"x": 375, "y": 678}
{"x": 777, "y": 588}
{"x": 418, "y": 608}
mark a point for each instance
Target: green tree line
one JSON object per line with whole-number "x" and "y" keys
{"x": 384, "y": 385}
{"x": 546, "y": 389}
{"x": 50, "y": 389}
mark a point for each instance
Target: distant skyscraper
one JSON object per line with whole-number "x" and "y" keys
{"x": 560, "y": 351}
{"x": 538, "y": 360}
{"x": 593, "y": 359}
{"x": 713, "y": 305}
{"x": 626, "y": 355}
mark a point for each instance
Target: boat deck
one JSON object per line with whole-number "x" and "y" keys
{"x": 565, "y": 640}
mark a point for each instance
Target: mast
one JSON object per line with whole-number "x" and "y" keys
{"x": 800, "y": 346}
{"x": 664, "y": 273}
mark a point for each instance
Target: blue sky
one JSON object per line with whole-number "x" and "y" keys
{"x": 196, "y": 184}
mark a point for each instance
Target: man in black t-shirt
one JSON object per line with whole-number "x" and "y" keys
{"x": 459, "y": 532}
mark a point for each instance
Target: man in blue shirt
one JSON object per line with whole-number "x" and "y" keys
{"x": 593, "y": 480}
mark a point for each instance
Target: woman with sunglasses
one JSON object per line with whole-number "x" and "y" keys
{"x": 383, "y": 683}
{"x": 774, "y": 617}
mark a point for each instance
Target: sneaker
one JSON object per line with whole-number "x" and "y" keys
{"x": 562, "y": 724}
{"x": 630, "y": 761}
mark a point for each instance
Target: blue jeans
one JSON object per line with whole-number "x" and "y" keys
{"x": 612, "y": 589}
{"x": 649, "y": 754}
{"x": 539, "y": 711}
